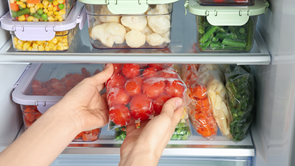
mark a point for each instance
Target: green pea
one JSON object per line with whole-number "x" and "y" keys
{"x": 36, "y": 15}
{"x": 44, "y": 17}
{"x": 40, "y": 11}
{"x": 61, "y": 6}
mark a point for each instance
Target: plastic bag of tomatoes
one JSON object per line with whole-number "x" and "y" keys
{"x": 139, "y": 91}
{"x": 200, "y": 111}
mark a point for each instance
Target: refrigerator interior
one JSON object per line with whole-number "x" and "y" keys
{"x": 272, "y": 133}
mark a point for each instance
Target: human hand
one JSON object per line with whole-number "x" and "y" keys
{"x": 144, "y": 146}
{"x": 84, "y": 105}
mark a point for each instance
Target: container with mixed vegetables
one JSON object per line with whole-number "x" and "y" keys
{"x": 225, "y": 38}
{"x": 40, "y": 10}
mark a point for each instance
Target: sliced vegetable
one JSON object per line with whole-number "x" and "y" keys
{"x": 233, "y": 43}
{"x": 14, "y": 7}
{"x": 20, "y": 12}
{"x": 208, "y": 34}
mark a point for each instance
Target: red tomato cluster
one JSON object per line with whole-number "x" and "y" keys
{"x": 31, "y": 114}
{"x": 56, "y": 87}
{"x": 139, "y": 91}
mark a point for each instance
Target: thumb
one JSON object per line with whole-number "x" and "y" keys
{"x": 171, "y": 109}
{"x": 103, "y": 76}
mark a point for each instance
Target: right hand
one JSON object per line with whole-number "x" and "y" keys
{"x": 145, "y": 146}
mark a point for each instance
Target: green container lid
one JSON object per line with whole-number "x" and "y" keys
{"x": 127, "y": 6}
{"x": 227, "y": 15}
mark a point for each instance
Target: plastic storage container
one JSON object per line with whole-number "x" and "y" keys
{"x": 43, "y": 85}
{"x": 40, "y": 10}
{"x": 225, "y": 38}
{"x": 226, "y": 28}
{"x": 133, "y": 24}
{"x": 61, "y": 42}
{"x": 227, "y": 2}
{"x": 41, "y": 36}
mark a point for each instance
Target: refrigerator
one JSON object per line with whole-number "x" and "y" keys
{"x": 270, "y": 139}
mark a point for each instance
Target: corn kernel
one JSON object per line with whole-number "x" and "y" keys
{"x": 45, "y": 3}
{"x": 40, "y": 5}
{"x": 23, "y": 0}
{"x": 21, "y": 18}
{"x": 15, "y": 39}
{"x": 56, "y": 14}
{"x": 32, "y": 10}
{"x": 35, "y": 20}
{"x": 19, "y": 47}
{"x": 65, "y": 40}
{"x": 60, "y": 19}
{"x": 36, "y": 7}
{"x": 54, "y": 40}
{"x": 41, "y": 48}
{"x": 47, "y": 48}
{"x": 61, "y": 12}
{"x": 50, "y": 13}
{"x": 51, "y": 45}
{"x": 29, "y": 49}
{"x": 60, "y": 1}
{"x": 50, "y": 8}
{"x": 35, "y": 46}
{"x": 54, "y": 48}
{"x": 55, "y": 3}
{"x": 39, "y": 42}
{"x": 45, "y": 11}
{"x": 60, "y": 48}
{"x": 19, "y": 3}
{"x": 23, "y": 6}
{"x": 30, "y": 18}
{"x": 54, "y": 9}
{"x": 26, "y": 45}
{"x": 50, "y": 19}
{"x": 30, "y": 5}
{"x": 15, "y": 43}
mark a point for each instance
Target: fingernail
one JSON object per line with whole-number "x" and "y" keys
{"x": 178, "y": 102}
{"x": 107, "y": 65}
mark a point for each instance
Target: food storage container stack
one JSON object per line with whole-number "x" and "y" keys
{"x": 43, "y": 85}
{"x": 45, "y": 36}
{"x": 129, "y": 24}
{"x": 40, "y": 10}
{"x": 226, "y": 28}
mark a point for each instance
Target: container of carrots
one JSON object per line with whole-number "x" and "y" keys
{"x": 200, "y": 112}
{"x": 40, "y": 10}
{"x": 43, "y": 85}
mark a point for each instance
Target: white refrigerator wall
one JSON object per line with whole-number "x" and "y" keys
{"x": 273, "y": 132}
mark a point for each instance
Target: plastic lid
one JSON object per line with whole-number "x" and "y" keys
{"x": 227, "y": 15}
{"x": 127, "y": 6}
{"x": 41, "y": 31}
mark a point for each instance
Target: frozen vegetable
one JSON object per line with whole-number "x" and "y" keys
{"x": 31, "y": 114}
{"x": 40, "y": 10}
{"x": 235, "y": 38}
{"x": 241, "y": 97}
{"x": 139, "y": 91}
{"x": 213, "y": 78}
{"x": 61, "y": 42}
{"x": 150, "y": 30}
{"x": 199, "y": 110}
{"x": 56, "y": 87}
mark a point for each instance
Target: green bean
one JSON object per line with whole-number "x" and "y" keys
{"x": 233, "y": 43}
{"x": 20, "y": 12}
{"x": 208, "y": 34}
{"x": 220, "y": 29}
{"x": 225, "y": 35}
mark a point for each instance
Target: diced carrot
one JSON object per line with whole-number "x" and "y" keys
{"x": 30, "y": 117}
{"x": 95, "y": 132}
{"x": 199, "y": 92}
{"x": 14, "y": 7}
{"x": 33, "y": 1}
{"x": 202, "y": 103}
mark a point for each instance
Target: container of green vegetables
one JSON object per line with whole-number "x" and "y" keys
{"x": 226, "y": 28}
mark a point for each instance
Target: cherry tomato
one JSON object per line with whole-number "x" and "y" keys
{"x": 157, "y": 66}
{"x": 159, "y": 102}
{"x": 117, "y": 67}
{"x": 117, "y": 80}
{"x": 130, "y": 70}
{"x": 150, "y": 72}
{"x": 168, "y": 73}
{"x": 117, "y": 96}
{"x": 218, "y": 1}
{"x": 133, "y": 86}
{"x": 175, "y": 88}
{"x": 153, "y": 87}
{"x": 141, "y": 107}
{"x": 120, "y": 115}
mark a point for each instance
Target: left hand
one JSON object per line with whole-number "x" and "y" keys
{"x": 84, "y": 105}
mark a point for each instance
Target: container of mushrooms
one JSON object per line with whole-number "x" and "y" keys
{"x": 109, "y": 30}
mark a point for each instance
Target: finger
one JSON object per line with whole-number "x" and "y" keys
{"x": 131, "y": 126}
{"x": 171, "y": 105}
{"x": 177, "y": 116}
{"x": 103, "y": 76}
{"x": 104, "y": 96}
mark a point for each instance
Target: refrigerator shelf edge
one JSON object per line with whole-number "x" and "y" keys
{"x": 183, "y": 37}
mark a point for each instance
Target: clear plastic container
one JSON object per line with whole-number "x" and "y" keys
{"x": 43, "y": 85}
{"x": 148, "y": 30}
{"x": 225, "y": 38}
{"x": 40, "y": 10}
{"x": 227, "y": 2}
{"x": 61, "y": 42}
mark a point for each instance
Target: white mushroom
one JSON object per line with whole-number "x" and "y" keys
{"x": 155, "y": 39}
{"x": 108, "y": 16}
{"x": 134, "y": 22}
{"x": 166, "y": 36}
{"x": 159, "y": 24}
{"x": 135, "y": 39}
{"x": 147, "y": 30}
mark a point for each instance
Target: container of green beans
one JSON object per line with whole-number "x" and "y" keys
{"x": 225, "y": 38}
